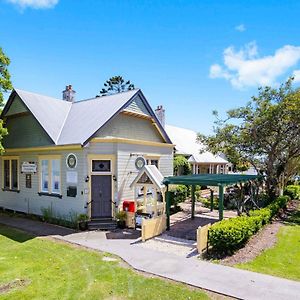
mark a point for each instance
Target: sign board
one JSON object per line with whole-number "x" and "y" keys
{"x": 72, "y": 177}
{"x": 28, "y": 167}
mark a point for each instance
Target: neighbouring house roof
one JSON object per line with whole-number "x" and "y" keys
{"x": 185, "y": 144}
{"x": 76, "y": 122}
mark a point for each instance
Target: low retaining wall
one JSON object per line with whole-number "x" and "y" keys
{"x": 153, "y": 227}
{"x": 202, "y": 238}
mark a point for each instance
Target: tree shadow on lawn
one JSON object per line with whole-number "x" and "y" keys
{"x": 15, "y": 234}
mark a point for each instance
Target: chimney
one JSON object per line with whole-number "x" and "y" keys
{"x": 160, "y": 113}
{"x": 69, "y": 94}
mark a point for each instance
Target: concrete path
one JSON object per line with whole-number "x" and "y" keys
{"x": 221, "y": 279}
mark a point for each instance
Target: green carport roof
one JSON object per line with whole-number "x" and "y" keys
{"x": 209, "y": 179}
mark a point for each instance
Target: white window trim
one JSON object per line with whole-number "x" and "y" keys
{"x": 10, "y": 158}
{"x": 49, "y": 158}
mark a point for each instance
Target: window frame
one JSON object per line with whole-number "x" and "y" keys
{"x": 50, "y": 159}
{"x": 10, "y": 159}
{"x": 148, "y": 159}
{"x": 99, "y": 172}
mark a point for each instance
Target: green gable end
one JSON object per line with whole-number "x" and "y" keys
{"x": 17, "y": 106}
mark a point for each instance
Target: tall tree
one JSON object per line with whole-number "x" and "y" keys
{"x": 116, "y": 84}
{"x": 265, "y": 133}
{"x": 5, "y": 86}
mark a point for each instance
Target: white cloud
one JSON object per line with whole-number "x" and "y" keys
{"x": 296, "y": 75}
{"x": 244, "y": 68}
{"x": 36, "y": 4}
{"x": 240, "y": 28}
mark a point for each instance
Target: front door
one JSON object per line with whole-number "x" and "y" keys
{"x": 101, "y": 196}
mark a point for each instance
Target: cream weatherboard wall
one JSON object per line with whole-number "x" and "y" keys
{"x": 28, "y": 200}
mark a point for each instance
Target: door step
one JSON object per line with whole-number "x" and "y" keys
{"x": 102, "y": 224}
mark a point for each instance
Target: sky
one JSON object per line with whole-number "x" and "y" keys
{"x": 192, "y": 57}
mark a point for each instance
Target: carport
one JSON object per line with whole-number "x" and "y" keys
{"x": 219, "y": 180}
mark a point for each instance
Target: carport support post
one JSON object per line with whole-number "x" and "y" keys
{"x": 211, "y": 200}
{"x": 221, "y": 201}
{"x": 168, "y": 200}
{"x": 193, "y": 201}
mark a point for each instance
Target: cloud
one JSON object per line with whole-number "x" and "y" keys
{"x": 245, "y": 68}
{"x": 296, "y": 75}
{"x": 240, "y": 28}
{"x": 36, "y": 4}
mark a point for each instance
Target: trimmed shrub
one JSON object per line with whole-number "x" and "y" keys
{"x": 229, "y": 235}
{"x": 293, "y": 191}
{"x": 206, "y": 202}
{"x": 264, "y": 213}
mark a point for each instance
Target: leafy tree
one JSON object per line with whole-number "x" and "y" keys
{"x": 116, "y": 84}
{"x": 5, "y": 86}
{"x": 264, "y": 133}
{"x": 181, "y": 165}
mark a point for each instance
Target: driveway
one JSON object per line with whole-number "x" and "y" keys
{"x": 187, "y": 269}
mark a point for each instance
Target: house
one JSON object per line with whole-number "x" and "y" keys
{"x": 78, "y": 156}
{"x": 185, "y": 141}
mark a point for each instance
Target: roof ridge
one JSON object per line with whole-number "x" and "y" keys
{"x": 89, "y": 99}
{"x": 63, "y": 124}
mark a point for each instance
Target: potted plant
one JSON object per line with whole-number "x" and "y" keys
{"x": 121, "y": 219}
{"x": 82, "y": 222}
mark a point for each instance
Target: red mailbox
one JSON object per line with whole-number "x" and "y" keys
{"x": 128, "y": 206}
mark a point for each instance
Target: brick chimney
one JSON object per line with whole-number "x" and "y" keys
{"x": 160, "y": 113}
{"x": 69, "y": 94}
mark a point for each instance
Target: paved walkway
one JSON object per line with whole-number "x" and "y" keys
{"x": 221, "y": 279}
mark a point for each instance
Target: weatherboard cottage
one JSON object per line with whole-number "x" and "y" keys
{"x": 78, "y": 156}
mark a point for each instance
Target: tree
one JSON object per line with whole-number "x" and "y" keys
{"x": 264, "y": 133}
{"x": 5, "y": 86}
{"x": 116, "y": 84}
{"x": 181, "y": 166}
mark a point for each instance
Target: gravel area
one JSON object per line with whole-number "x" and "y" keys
{"x": 168, "y": 244}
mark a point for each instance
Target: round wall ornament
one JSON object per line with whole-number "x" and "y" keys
{"x": 71, "y": 161}
{"x": 140, "y": 162}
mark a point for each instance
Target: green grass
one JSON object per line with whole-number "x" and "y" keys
{"x": 283, "y": 259}
{"x": 53, "y": 270}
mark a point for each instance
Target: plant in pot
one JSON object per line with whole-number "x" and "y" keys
{"x": 82, "y": 222}
{"x": 121, "y": 219}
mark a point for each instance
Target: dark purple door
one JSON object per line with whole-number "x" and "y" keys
{"x": 101, "y": 196}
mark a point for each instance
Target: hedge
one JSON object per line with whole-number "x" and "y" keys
{"x": 293, "y": 191}
{"x": 231, "y": 234}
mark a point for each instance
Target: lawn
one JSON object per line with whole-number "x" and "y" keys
{"x": 283, "y": 259}
{"x": 36, "y": 268}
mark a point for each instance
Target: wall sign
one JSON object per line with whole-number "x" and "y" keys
{"x": 71, "y": 161}
{"x": 140, "y": 162}
{"x": 72, "y": 177}
{"x": 28, "y": 167}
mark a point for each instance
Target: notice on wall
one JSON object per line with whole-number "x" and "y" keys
{"x": 72, "y": 177}
{"x": 28, "y": 167}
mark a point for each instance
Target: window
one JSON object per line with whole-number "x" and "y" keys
{"x": 101, "y": 166}
{"x": 11, "y": 174}
{"x": 154, "y": 162}
{"x": 50, "y": 175}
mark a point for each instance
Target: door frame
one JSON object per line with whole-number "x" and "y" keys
{"x": 112, "y": 158}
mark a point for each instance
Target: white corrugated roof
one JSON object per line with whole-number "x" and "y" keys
{"x": 186, "y": 144}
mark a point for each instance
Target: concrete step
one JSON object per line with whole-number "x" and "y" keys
{"x": 102, "y": 224}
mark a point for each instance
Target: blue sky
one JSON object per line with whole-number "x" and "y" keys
{"x": 191, "y": 56}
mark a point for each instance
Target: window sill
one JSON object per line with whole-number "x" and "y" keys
{"x": 10, "y": 190}
{"x": 50, "y": 195}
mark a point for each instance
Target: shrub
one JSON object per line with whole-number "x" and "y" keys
{"x": 206, "y": 202}
{"x": 178, "y": 194}
{"x": 264, "y": 213}
{"x": 231, "y": 234}
{"x": 293, "y": 191}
